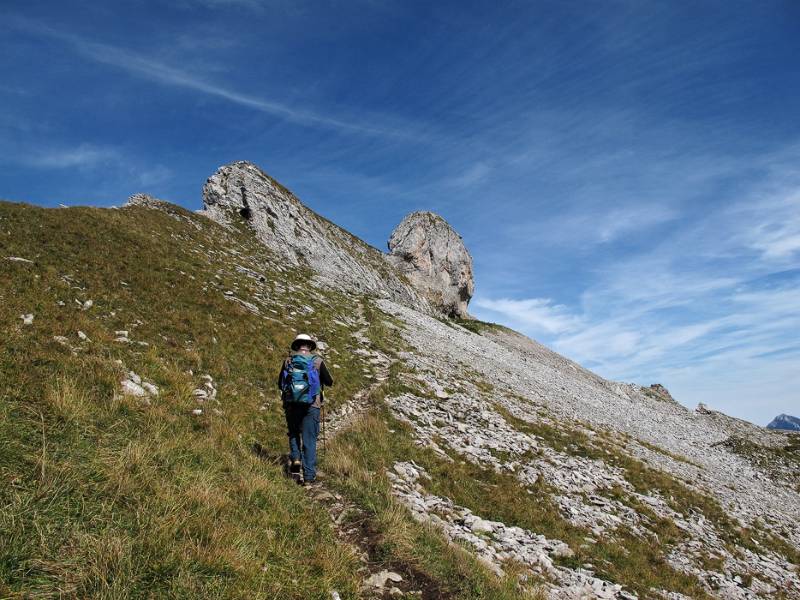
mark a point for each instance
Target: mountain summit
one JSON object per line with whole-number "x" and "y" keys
{"x": 785, "y": 422}
{"x": 242, "y": 194}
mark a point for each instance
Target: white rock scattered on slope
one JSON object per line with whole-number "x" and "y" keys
{"x": 378, "y": 580}
{"x": 131, "y": 388}
{"x": 494, "y": 542}
{"x": 27, "y": 319}
{"x": 134, "y": 385}
{"x": 529, "y": 379}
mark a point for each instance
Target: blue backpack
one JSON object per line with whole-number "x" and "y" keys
{"x": 300, "y": 378}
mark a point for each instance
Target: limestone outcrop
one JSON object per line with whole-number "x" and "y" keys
{"x": 428, "y": 266}
{"x": 145, "y": 200}
{"x": 428, "y": 251}
{"x": 242, "y": 193}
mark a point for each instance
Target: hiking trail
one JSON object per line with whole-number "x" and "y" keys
{"x": 381, "y": 578}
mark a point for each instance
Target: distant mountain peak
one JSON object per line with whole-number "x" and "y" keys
{"x": 785, "y": 422}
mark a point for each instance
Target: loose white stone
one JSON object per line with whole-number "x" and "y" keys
{"x": 131, "y": 388}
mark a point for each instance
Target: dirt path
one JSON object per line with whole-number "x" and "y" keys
{"x": 382, "y": 578}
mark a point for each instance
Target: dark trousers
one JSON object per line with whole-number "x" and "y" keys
{"x": 302, "y": 422}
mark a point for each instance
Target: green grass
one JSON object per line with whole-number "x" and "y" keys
{"x": 105, "y": 496}
{"x": 357, "y": 463}
{"x": 477, "y": 326}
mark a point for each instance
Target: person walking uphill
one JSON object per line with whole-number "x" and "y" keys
{"x": 301, "y": 381}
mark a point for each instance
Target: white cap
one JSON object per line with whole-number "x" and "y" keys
{"x": 303, "y": 338}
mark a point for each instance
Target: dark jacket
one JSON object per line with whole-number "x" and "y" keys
{"x": 325, "y": 378}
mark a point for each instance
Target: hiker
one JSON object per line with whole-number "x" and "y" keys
{"x": 301, "y": 380}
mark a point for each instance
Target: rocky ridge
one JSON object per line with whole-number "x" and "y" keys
{"x": 241, "y": 193}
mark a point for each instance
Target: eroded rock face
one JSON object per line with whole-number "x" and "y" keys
{"x": 434, "y": 259}
{"x": 662, "y": 392}
{"x": 145, "y": 200}
{"x": 241, "y": 192}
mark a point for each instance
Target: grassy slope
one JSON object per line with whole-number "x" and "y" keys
{"x": 104, "y": 495}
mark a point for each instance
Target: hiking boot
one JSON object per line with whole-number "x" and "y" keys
{"x": 295, "y": 467}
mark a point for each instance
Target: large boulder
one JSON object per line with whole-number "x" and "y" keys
{"x": 432, "y": 256}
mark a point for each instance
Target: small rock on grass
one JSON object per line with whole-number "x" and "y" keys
{"x": 130, "y": 388}
{"x": 27, "y": 319}
{"x": 378, "y": 580}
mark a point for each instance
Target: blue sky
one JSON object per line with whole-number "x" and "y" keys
{"x": 625, "y": 174}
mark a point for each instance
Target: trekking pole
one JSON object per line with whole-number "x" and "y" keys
{"x": 323, "y": 430}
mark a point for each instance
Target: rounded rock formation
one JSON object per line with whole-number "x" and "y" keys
{"x": 429, "y": 252}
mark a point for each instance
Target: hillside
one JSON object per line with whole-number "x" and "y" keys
{"x": 141, "y": 435}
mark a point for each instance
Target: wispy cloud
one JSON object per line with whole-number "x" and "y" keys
{"x": 13, "y": 90}
{"x": 776, "y": 229}
{"x": 716, "y": 295}
{"x": 83, "y": 155}
{"x": 538, "y": 314}
{"x": 473, "y": 175}
{"x": 590, "y": 225}
{"x": 148, "y": 68}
